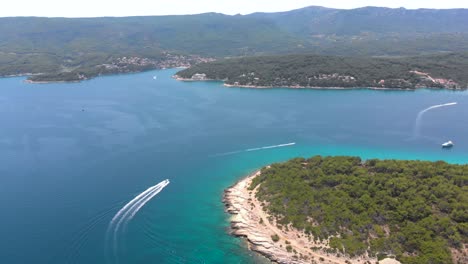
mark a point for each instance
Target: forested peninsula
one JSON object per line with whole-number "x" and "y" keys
{"x": 448, "y": 71}
{"x": 346, "y": 210}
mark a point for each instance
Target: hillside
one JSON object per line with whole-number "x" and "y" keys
{"x": 296, "y": 71}
{"x": 379, "y": 20}
{"x": 76, "y": 46}
{"x": 414, "y": 210}
{"x": 64, "y": 46}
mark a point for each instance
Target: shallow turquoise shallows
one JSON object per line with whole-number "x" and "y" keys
{"x": 72, "y": 155}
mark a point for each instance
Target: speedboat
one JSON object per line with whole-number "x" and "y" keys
{"x": 447, "y": 144}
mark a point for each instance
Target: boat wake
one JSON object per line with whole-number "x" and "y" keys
{"x": 124, "y": 215}
{"x": 270, "y": 147}
{"x": 417, "y": 125}
{"x": 256, "y": 149}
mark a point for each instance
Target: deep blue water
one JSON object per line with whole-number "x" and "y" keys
{"x": 71, "y": 155}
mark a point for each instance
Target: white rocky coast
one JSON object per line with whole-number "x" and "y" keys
{"x": 292, "y": 246}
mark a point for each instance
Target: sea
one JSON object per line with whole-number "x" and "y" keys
{"x": 73, "y": 157}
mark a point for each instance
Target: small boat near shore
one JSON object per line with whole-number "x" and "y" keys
{"x": 447, "y": 144}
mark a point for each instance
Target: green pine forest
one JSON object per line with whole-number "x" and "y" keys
{"x": 414, "y": 210}
{"x": 305, "y": 70}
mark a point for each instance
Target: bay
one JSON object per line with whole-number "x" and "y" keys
{"x": 73, "y": 154}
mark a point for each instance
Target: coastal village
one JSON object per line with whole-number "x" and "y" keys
{"x": 250, "y": 80}
{"x": 168, "y": 60}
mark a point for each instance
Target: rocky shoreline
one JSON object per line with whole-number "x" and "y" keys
{"x": 251, "y": 222}
{"x": 48, "y": 82}
{"x": 181, "y": 79}
{"x": 244, "y": 223}
{"x": 336, "y": 82}
{"x": 315, "y": 87}
{"x": 119, "y": 65}
{"x": 178, "y": 78}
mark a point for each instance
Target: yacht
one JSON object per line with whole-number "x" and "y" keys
{"x": 447, "y": 144}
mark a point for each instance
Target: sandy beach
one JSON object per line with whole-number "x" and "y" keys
{"x": 249, "y": 220}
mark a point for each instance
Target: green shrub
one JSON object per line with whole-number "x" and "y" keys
{"x": 275, "y": 238}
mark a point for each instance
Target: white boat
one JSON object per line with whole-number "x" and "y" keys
{"x": 447, "y": 144}
{"x": 155, "y": 77}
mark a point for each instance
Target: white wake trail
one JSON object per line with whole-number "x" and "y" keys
{"x": 417, "y": 126}
{"x": 148, "y": 198}
{"x": 130, "y": 204}
{"x": 270, "y": 147}
{"x": 135, "y": 205}
{"x": 127, "y": 212}
{"x": 280, "y": 146}
{"x": 255, "y": 149}
{"x": 252, "y": 149}
{"x": 130, "y": 212}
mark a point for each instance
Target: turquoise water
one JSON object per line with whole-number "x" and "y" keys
{"x": 72, "y": 155}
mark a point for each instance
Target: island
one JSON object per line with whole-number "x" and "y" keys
{"x": 442, "y": 71}
{"x": 346, "y": 210}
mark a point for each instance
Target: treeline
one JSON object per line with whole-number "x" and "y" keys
{"x": 85, "y": 73}
{"x": 333, "y": 71}
{"x": 415, "y": 210}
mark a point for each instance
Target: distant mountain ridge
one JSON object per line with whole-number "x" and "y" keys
{"x": 320, "y": 20}
{"x": 80, "y": 46}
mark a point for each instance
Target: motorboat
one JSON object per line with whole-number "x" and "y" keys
{"x": 447, "y": 144}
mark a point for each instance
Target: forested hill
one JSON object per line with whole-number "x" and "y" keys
{"x": 415, "y": 210}
{"x": 70, "y": 47}
{"x": 320, "y": 20}
{"x": 435, "y": 71}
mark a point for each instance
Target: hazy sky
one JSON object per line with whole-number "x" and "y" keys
{"x": 91, "y": 8}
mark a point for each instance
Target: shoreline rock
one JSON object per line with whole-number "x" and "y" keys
{"x": 249, "y": 220}
{"x": 120, "y": 65}
{"x": 316, "y": 87}
{"x": 201, "y": 77}
{"x": 48, "y": 82}
{"x": 242, "y": 225}
{"x": 178, "y": 78}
